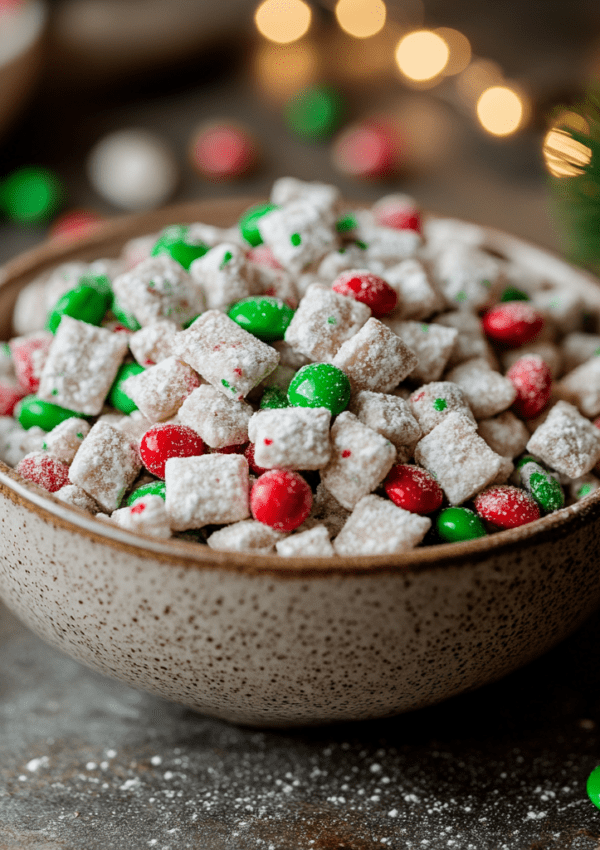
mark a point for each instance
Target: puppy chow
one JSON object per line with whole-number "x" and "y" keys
{"x": 504, "y": 434}
{"x": 417, "y": 297}
{"x": 105, "y": 466}
{"x": 431, "y": 403}
{"x": 375, "y": 358}
{"x": 220, "y": 421}
{"x": 224, "y": 275}
{"x": 313, "y": 543}
{"x": 487, "y": 391}
{"x": 291, "y": 438}
{"x": 581, "y": 387}
{"x": 248, "y": 535}
{"x": 152, "y": 344}
{"x": 147, "y": 516}
{"x": 432, "y": 345}
{"x": 378, "y": 527}
{"x": 206, "y": 490}
{"x": 298, "y": 234}
{"x": 159, "y": 391}
{"x": 566, "y": 441}
{"x": 64, "y": 440}
{"x": 391, "y": 417}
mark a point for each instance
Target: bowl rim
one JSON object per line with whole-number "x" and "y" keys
{"x": 30, "y": 264}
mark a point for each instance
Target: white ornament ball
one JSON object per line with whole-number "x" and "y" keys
{"x": 133, "y": 169}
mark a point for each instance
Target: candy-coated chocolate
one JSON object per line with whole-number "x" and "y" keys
{"x": 456, "y": 524}
{"x": 274, "y": 398}
{"x": 117, "y": 397}
{"x": 174, "y": 241}
{"x": 414, "y": 489}
{"x": 44, "y": 470}
{"x": 153, "y": 488}
{"x": 249, "y": 455}
{"x": 320, "y": 385}
{"x": 85, "y": 303}
{"x": 10, "y": 395}
{"x": 166, "y": 441}
{"x": 369, "y": 150}
{"x": 32, "y": 410}
{"x": 281, "y": 499}
{"x": 506, "y": 507}
{"x": 248, "y": 223}
{"x": 263, "y": 316}
{"x": 593, "y": 786}
{"x": 511, "y": 293}
{"x": 75, "y": 224}
{"x": 126, "y": 319}
{"x": 512, "y": 324}
{"x": 369, "y": 289}
{"x": 542, "y": 486}
{"x": 532, "y": 380}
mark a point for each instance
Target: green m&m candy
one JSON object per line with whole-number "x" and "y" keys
{"x": 97, "y": 281}
{"x": 542, "y": 486}
{"x": 128, "y": 320}
{"x": 117, "y": 397}
{"x": 320, "y": 385}
{"x": 153, "y": 488}
{"x": 273, "y": 398}
{"x": 84, "y": 303}
{"x": 263, "y": 316}
{"x": 455, "y": 524}
{"x": 248, "y": 223}
{"x": 593, "y": 786}
{"x": 315, "y": 112}
{"x": 174, "y": 241}
{"x": 511, "y": 293}
{"x": 33, "y": 411}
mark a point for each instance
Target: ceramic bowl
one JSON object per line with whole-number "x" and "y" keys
{"x": 274, "y": 642}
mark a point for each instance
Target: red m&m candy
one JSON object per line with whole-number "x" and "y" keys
{"x": 10, "y": 394}
{"x": 369, "y": 289}
{"x": 532, "y": 380}
{"x": 414, "y": 489}
{"x": 164, "y": 441}
{"x": 399, "y": 212}
{"x": 506, "y": 507}
{"x": 281, "y": 499}
{"x": 29, "y": 355}
{"x": 513, "y": 323}
{"x": 45, "y": 470}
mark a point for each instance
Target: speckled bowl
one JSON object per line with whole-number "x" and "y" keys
{"x": 278, "y": 642}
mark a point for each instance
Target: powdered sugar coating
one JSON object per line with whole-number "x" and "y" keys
{"x": 298, "y": 234}
{"x": 467, "y": 277}
{"x": 360, "y": 460}
{"x": 147, "y": 516}
{"x": 72, "y": 495}
{"x": 417, "y": 297}
{"x": 504, "y": 434}
{"x": 152, "y": 344}
{"x": 248, "y": 535}
{"x": 459, "y": 459}
{"x": 390, "y": 416}
{"x": 228, "y": 357}
{"x": 29, "y": 354}
{"x": 81, "y": 366}
{"x": 431, "y": 403}
{"x": 64, "y": 440}
{"x": 582, "y": 387}
{"x": 313, "y": 543}
{"x": 487, "y": 391}
{"x": 291, "y": 438}
{"x": 105, "y": 466}
{"x": 566, "y": 441}
{"x": 224, "y": 275}
{"x": 378, "y": 527}
{"x": 160, "y": 390}
{"x": 375, "y": 358}
{"x": 205, "y": 490}
{"x": 218, "y": 420}
{"x": 432, "y": 345}
{"x": 44, "y": 470}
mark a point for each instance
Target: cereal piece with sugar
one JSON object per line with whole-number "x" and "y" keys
{"x": 206, "y": 490}
{"x": 323, "y": 321}
{"x": 159, "y": 391}
{"x": 550, "y": 354}
{"x": 159, "y": 288}
{"x": 228, "y": 357}
{"x": 432, "y": 345}
{"x": 417, "y": 298}
{"x": 375, "y": 358}
{"x": 344, "y": 259}
{"x": 64, "y": 440}
{"x": 360, "y": 460}
{"x": 298, "y": 234}
{"x": 72, "y": 495}
{"x": 211, "y": 235}
{"x": 562, "y": 306}
{"x": 431, "y": 403}
{"x": 566, "y": 441}
{"x": 507, "y": 468}
{"x": 470, "y": 341}
{"x": 467, "y": 277}
{"x": 385, "y": 244}
{"x": 147, "y": 516}
{"x": 105, "y": 466}
{"x": 291, "y": 437}
{"x": 313, "y": 543}
{"x": 378, "y": 527}
{"x": 458, "y": 458}
{"x": 582, "y": 387}
{"x": 327, "y": 511}
{"x": 220, "y": 421}
{"x": 391, "y": 417}
{"x": 505, "y": 434}
{"x": 11, "y": 434}
{"x": 224, "y": 275}
{"x": 81, "y": 366}
{"x": 488, "y": 392}
{"x": 578, "y": 347}
{"x": 323, "y": 196}
{"x": 248, "y": 535}
{"x": 153, "y": 343}
{"x": 276, "y": 283}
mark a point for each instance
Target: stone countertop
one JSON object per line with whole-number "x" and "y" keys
{"x": 90, "y": 764}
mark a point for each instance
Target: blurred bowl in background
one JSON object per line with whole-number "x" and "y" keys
{"x": 22, "y": 27}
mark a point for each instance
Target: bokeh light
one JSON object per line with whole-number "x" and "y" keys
{"x": 459, "y": 47}
{"x": 361, "y": 18}
{"x": 500, "y": 110}
{"x": 283, "y": 21}
{"x": 422, "y": 55}
{"x": 565, "y": 156}
{"x": 282, "y": 69}
{"x": 480, "y": 75}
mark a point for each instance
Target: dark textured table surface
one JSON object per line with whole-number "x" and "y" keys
{"x": 90, "y": 764}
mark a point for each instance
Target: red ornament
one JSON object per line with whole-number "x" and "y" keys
{"x": 369, "y": 289}
{"x": 281, "y": 499}
{"x": 29, "y": 355}
{"x": 10, "y": 394}
{"x": 164, "y": 441}
{"x": 75, "y": 224}
{"x": 513, "y": 323}
{"x": 249, "y": 455}
{"x": 414, "y": 489}
{"x": 370, "y": 150}
{"x": 399, "y": 212}
{"x": 44, "y": 470}
{"x": 506, "y": 507}
{"x": 532, "y": 380}
{"x": 222, "y": 151}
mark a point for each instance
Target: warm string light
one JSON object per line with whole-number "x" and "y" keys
{"x": 283, "y": 21}
{"x": 361, "y": 18}
{"x": 500, "y": 110}
{"x": 563, "y": 155}
{"x": 422, "y": 55}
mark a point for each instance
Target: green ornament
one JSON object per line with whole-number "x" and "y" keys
{"x": 32, "y": 410}
{"x": 31, "y": 194}
{"x": 153, "y": 488}
{"x": 456, "y": 524}
{"x": 263, "y": 316}
{"x": 84, "y": 303}
{"x": 511, "y": 293}
{"x": 117, "y": 397}
{"x": 174, "y": 241}
{"x": 593, "y": 786}
{"x": 320, "y": 385}
{"x": 248, "y": 223}
{"x": 273, "y": 398}
{"x": 128, "y": 320}
{"x": 315, "y": 112}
